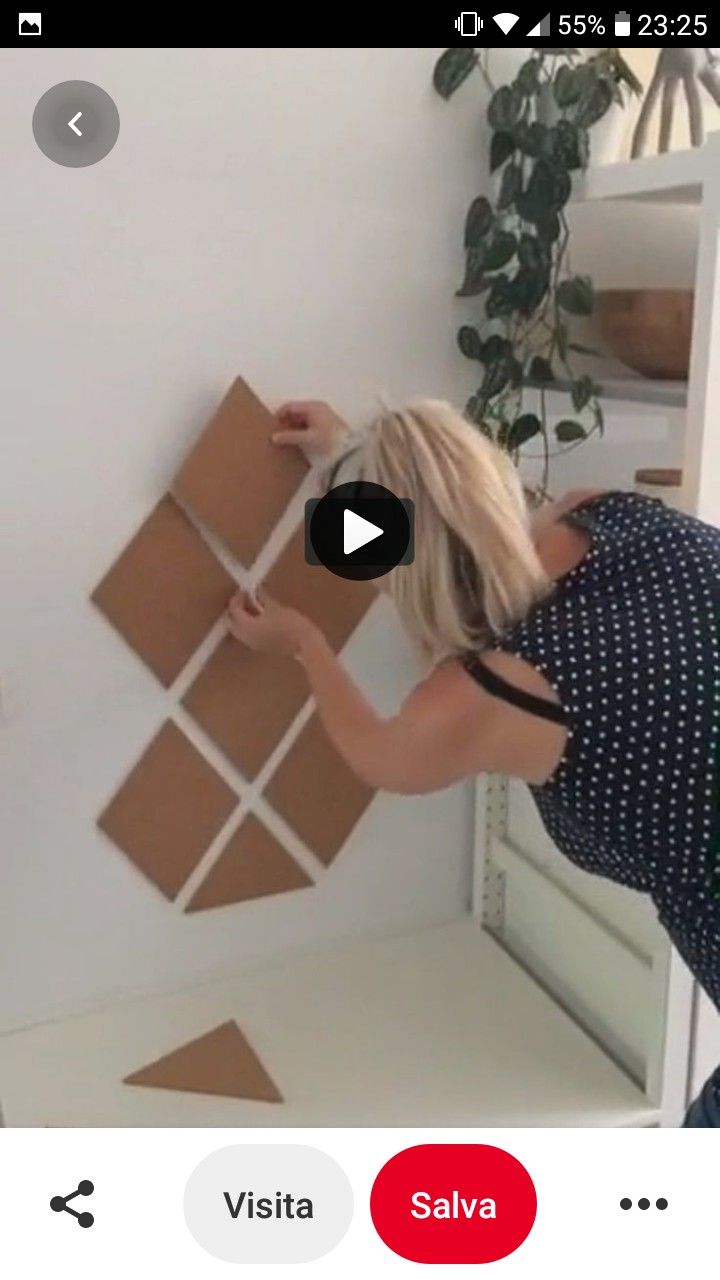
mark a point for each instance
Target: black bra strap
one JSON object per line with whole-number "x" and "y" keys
{"x": 500, "y": 688}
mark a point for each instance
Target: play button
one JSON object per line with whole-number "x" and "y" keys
{"x": 359, "y": 530}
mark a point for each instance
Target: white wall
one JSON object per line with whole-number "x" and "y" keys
{"x": 292, "y": 215}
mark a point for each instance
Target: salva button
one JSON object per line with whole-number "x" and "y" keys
{"x": 453, "y": 1203}
{"x": 268, "y": 1204}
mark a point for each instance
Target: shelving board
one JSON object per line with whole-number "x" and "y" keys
{"x": 631, "y": 390}
{"x": 439, "y": 1027}
{"x": 674, "y": 178}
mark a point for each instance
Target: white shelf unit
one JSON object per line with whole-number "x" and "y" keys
{"x": 632, "y": 390}
{"x": 678, "y": 177}
{"x": 595, "y": 946}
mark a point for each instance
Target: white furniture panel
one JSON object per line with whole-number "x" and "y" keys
{"x": 607, "y": 985}
{"x": 440, "y": 1027}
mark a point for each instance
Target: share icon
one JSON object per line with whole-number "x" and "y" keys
{"x": 61, "y": 1204}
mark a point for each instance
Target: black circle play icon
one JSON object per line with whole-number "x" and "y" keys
{"x": 359, "y": 530}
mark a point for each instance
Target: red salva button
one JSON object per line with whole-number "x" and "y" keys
{"x": 453, "y": 1203}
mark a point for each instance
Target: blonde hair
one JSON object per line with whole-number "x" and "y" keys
{"x": 476, "y": 570}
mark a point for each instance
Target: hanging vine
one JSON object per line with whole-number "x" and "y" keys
{"x": 516, "y": 243}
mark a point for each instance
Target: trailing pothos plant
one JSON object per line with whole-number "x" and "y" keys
{"x": 516, "y": 241}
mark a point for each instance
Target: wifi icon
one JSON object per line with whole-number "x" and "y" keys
{"x": 506, "y": 21}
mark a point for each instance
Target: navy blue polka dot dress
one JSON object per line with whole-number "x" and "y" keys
{"x": 630, "y": 641}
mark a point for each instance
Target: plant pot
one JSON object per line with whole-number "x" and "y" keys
{"x": 661, "y": 482}
{"x": 649, "y": 330}
{"x": 606, "y": 136}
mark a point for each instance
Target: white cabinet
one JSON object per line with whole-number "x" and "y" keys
{"x": 595, "y": 946}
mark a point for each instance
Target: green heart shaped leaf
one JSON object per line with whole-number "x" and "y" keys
{"x": 502, "y": 145}
{"x": 523, "y": 429}
{"x": 451, "y": 70}
{"x": 478, "y": 222}
{"x": 567, "y": 431}
{"x": 469, "y": 342}
{"x": 576, "y": 296}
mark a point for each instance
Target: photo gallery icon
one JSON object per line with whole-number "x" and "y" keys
{"x": 30, "y": 24}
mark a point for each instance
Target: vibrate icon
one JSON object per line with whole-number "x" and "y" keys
{"x": 61, "y": 1204}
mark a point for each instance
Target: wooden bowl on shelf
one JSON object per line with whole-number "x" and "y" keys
{"x": 649, "y": 330}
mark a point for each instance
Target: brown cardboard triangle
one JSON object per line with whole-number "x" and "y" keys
{"x": 317, "y": 793}
{"x": 222, "y": 1062}
{"x": 252, "y": 865}
{"x": 168, "y": 810}
{"x": 235, "y": 480}
{"x": 165, "y": 591}
{"x": 245, "y": 701}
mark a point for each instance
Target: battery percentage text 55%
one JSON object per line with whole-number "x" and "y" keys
{"x": 579, "y": 24}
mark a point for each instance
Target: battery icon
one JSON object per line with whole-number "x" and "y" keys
{"x": 622, "y": 24}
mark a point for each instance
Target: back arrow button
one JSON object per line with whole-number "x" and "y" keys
{"x": 76, "y": 123}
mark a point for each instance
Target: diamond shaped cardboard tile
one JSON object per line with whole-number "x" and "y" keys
{"x": 252, "y": 865}
{"x": 165, "y": 591}
{"x": 245, "y": 701}
{"x": 168, "y": 810}
{"x": 235, "y": 480}
{"x": 222, "y": 1062}
{"x": 317, "y": 794}
{"x": 335, "y": 604}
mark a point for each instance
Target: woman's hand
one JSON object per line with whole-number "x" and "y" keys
{"x": 267, "y": 626}
{"x": 311, "y": 426}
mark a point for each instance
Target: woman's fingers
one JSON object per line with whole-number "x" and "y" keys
{"x": 300, "y": 410}
{"x": 300, "y": 436}
{"x": 241, "y": 609}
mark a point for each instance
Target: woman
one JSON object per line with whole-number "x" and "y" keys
{"x": 579, "y": 652}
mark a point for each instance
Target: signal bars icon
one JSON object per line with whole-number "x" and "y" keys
{"x": 470, "y": 24}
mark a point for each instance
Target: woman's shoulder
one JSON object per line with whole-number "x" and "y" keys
{"x": 557, "y": 508}
{"x": 576, "y": 498}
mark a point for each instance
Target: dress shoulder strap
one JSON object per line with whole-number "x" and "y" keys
{"x": 499, "y": 687}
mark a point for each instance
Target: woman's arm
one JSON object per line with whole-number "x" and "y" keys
{"x": 430, "y": 743}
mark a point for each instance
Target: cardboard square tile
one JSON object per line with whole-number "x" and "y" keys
{"x": 252, "y": 865}
{"x": 235, "y": 480}
{"x": 335, "y": 604}
{"x": 222, "y": 1063}
{"x": 245, "y": 701}
{"x": 316, "y": 793}
{"x": 168, "y": 810}
{"x": 165, "y": 591}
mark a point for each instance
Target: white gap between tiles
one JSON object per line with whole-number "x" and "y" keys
{"x": 194, "y": 665}
{"x": 292, "y": 517}
{"x": 234, "y": 567}
{"x": 211, "y": 856}
{"x": 277, "y": 540}
{"x": 250, "y": 800}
